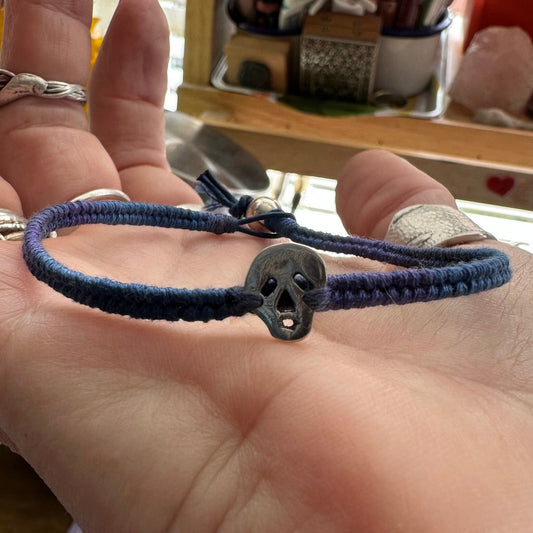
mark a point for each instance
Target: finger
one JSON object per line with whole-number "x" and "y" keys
{"x": 57, "y": 45}
{"x": 375, "y": 185}
{"x": 128, "y": 87}
{"x": 46, "y": 152}
{"x": 9, "y": 198}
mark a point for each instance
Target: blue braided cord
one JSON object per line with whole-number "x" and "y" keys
{"x": 433, "y": 273}
{"x": 394, "y": 254}
{"x": 409, "y": 286}
{"x": 437, "y": 273}
{"x": 455, "y": 272}
{"x": 132, "y": 299}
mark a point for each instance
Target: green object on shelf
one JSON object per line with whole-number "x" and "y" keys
{"x": 326, "y": 108}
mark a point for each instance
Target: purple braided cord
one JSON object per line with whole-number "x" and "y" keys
{"x": 427, "y": 274}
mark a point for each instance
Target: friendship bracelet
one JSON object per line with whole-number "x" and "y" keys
{"x": 286, "y": 283}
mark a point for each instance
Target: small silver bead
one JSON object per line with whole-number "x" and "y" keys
{"x": 260, "y": 206}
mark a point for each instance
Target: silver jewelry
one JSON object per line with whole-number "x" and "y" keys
{"x": 98, "y": 195}
{"x": 15, "y": 86}
{"x": 424, "y": 226}
{"x": 260, "y": 206}
{"x": 12, "y": 226}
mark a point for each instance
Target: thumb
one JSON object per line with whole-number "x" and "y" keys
{"x": 374, "y": 185}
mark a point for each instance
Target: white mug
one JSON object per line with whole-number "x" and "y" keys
{"x": 407, "y": 58}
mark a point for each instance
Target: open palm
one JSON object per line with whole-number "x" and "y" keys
{"x": 414, "y": 418}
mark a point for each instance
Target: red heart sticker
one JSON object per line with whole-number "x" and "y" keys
{"x": 500, "y": 185}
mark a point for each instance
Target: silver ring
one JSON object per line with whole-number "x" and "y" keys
{"x": 424, "y": 226}
{"x": 98, "y": 195}
{"x": 12, "y": 226}
{"x": 15, "y": 86}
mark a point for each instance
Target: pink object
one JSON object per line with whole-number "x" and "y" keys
{"x": 496, "y": 71}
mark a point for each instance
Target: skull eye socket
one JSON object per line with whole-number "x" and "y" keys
{"x": 269, "y": 287}
{"x": 302, "y": 282}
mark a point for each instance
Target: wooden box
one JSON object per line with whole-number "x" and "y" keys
{"x": 266, "y": 55}
{"x": 338, "y": 56}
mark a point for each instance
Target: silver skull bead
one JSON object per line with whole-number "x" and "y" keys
{"x": 282, "y": 274}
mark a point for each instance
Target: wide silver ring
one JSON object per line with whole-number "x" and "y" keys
{"x": 15, "y": 86}
{"x": 12, "y": 226}
{"x": 424, "y": 226}
{"x": 99, "y": 195}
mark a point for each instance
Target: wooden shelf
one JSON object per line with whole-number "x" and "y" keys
{"x": 462, "y": 155}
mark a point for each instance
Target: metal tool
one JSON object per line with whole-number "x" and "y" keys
{"x": 193, "y": 147}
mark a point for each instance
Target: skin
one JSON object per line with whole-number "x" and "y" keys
{"x": 415, "y": 418}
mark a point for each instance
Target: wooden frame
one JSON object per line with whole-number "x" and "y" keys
{"x": 468, "y": 158}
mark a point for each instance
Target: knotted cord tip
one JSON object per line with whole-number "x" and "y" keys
{"x": 219, "y": 196}
{"x": 249, "y": 211}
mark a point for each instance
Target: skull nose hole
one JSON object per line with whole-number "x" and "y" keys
{"x": 286, "y": 303}
{"x": 269, "y": 287}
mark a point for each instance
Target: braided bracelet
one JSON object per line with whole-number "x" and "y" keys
{"x": 285, "y": 284}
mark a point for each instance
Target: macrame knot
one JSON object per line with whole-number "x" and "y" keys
{"x": 238, "y": 209}
{"x": 259, "y": 220}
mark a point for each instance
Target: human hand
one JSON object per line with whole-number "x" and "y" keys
{"x": 415, "y": 418}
